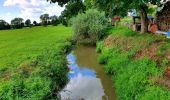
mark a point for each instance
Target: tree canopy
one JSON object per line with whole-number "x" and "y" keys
{"x": 4, "y": 25}
{"x": 44, "y": 19}
{"x": 120, "y": 7}
{"x": 17, "y": 23}
{"x": 28, "y": 22}
{"x": 71, "y": 10}
{"x": 60, "y": 2}
{"x": 54, "y": 20}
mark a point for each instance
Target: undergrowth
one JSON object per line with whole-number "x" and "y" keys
{"x": 47, "y": 78}
{"x": 132, "y": 75}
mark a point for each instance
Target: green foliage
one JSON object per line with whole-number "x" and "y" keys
{"x": 60, "y": 2}
{"x": 105, "y": 56}
{"x": 112, "y": 7}
{"x": 28, "y": 22}
{"x": 4, "y": 25}
{"x": 19, "y": 89}
{"x": 71, "y": 10}
{"x": 89, "y": 4}
{"x": 155, "y": 93}
{"x": 133, "y": 76}
{"x": 152, "y": 10}
{"x": 164, "y": 62}
{"x": 44, "y": 19}
{"x": 133, "y": 79}
{"x": 99, "y": 46}
{"x": 89, "y": 25}
{"x": 39, "y": 73}
{"x": 17, "y": 23}
{"x": 54, "y": 20}
{"x": 53, "y": 65}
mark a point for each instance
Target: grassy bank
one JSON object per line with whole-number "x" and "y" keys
{"x": 33, "y": 62}
{"x": 137, "y": 63}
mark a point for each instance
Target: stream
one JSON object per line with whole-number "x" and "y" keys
{"x": 88, "y": 80}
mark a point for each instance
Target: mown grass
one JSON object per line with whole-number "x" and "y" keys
{"x": 133, "y": 75}
{"x": 33, "y": 62}
{"x": 24, "y": 44}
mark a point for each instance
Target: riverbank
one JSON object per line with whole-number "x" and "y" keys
{"x": 33, "y": 63}
{"x": 138, "y": 64}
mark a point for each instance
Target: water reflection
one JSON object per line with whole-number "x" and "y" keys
{"x": 83, "y": 83}
{"x": 76, "y": 70}
{"x": 87, "y": 78}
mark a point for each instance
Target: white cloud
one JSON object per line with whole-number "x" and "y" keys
{"x": 8, "y": 14}
{"x": 32, "y": 9}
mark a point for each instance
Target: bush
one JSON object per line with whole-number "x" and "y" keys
{"x": 105, "y": 56}
{"x": 90, "y": 24}
{"x": 99, "y": 46}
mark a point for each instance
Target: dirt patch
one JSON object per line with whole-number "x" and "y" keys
{"x": 5, "y": 75}
{"x": 108, "y": 42}
{"x": 119, "y": 42}
{"x": 162, "y": 81}
{"x": 26, "y": 68}
{"x": 168, "y": 55}
{"x": 150, "y": 52}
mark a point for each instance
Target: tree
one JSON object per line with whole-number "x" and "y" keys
{"x": 111, "y": 7}
{"x": 140, "y": 5}
{"x": 34, "y": 23}
{"x": 44, "y": 19}
{"x": 28, "y": 22}
{"x": 54, "y": 20}
{"x": 89, "y": 4}
{"x": 4, "y": 25}
{"x": 72, "y": 9}
{"x": 60, "y": 2}
{"x": 17, "y": 23}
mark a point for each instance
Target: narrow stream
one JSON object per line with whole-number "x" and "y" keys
{"x": 88, "y": 80}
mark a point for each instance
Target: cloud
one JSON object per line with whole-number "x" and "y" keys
{"x": 32, "y": 9}
{"x": 8, "y": 14}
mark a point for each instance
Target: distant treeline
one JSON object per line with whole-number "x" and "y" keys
{"x": 18, "y": 23}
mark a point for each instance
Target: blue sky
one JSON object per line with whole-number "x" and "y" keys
{"x": 27, "y": 9}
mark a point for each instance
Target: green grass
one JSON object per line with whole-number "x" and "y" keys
{"x": 131, "y": 75}
{"x": 127, "y": 20}
{"x": 33, "y": 62}
{"x": 24, "y": 44}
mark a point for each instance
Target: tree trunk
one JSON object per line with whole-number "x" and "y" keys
{"x": 144, "y": 19}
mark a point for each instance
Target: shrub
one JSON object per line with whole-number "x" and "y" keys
{"x": 90, "y": 24}
{"x": 99, "y": 46}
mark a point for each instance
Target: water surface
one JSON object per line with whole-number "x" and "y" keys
{"x": 88, "y": 80}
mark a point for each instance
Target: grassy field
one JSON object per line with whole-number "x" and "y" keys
{"x": 24, "y": 44}
{"x": 33, "y": 62}
{"x": 138, "y": 64}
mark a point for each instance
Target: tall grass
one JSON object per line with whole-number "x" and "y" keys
{"x": 132, "y": 76}
{"x": 38, "y": 67}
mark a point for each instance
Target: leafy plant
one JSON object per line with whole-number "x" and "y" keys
{"x": 90, "y": 24}
{"x": 99, "y": 46}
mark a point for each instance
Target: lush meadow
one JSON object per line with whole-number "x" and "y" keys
{"x": 32, "y": 62}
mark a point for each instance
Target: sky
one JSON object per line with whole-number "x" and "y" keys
{"x": 27, "y": 9}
